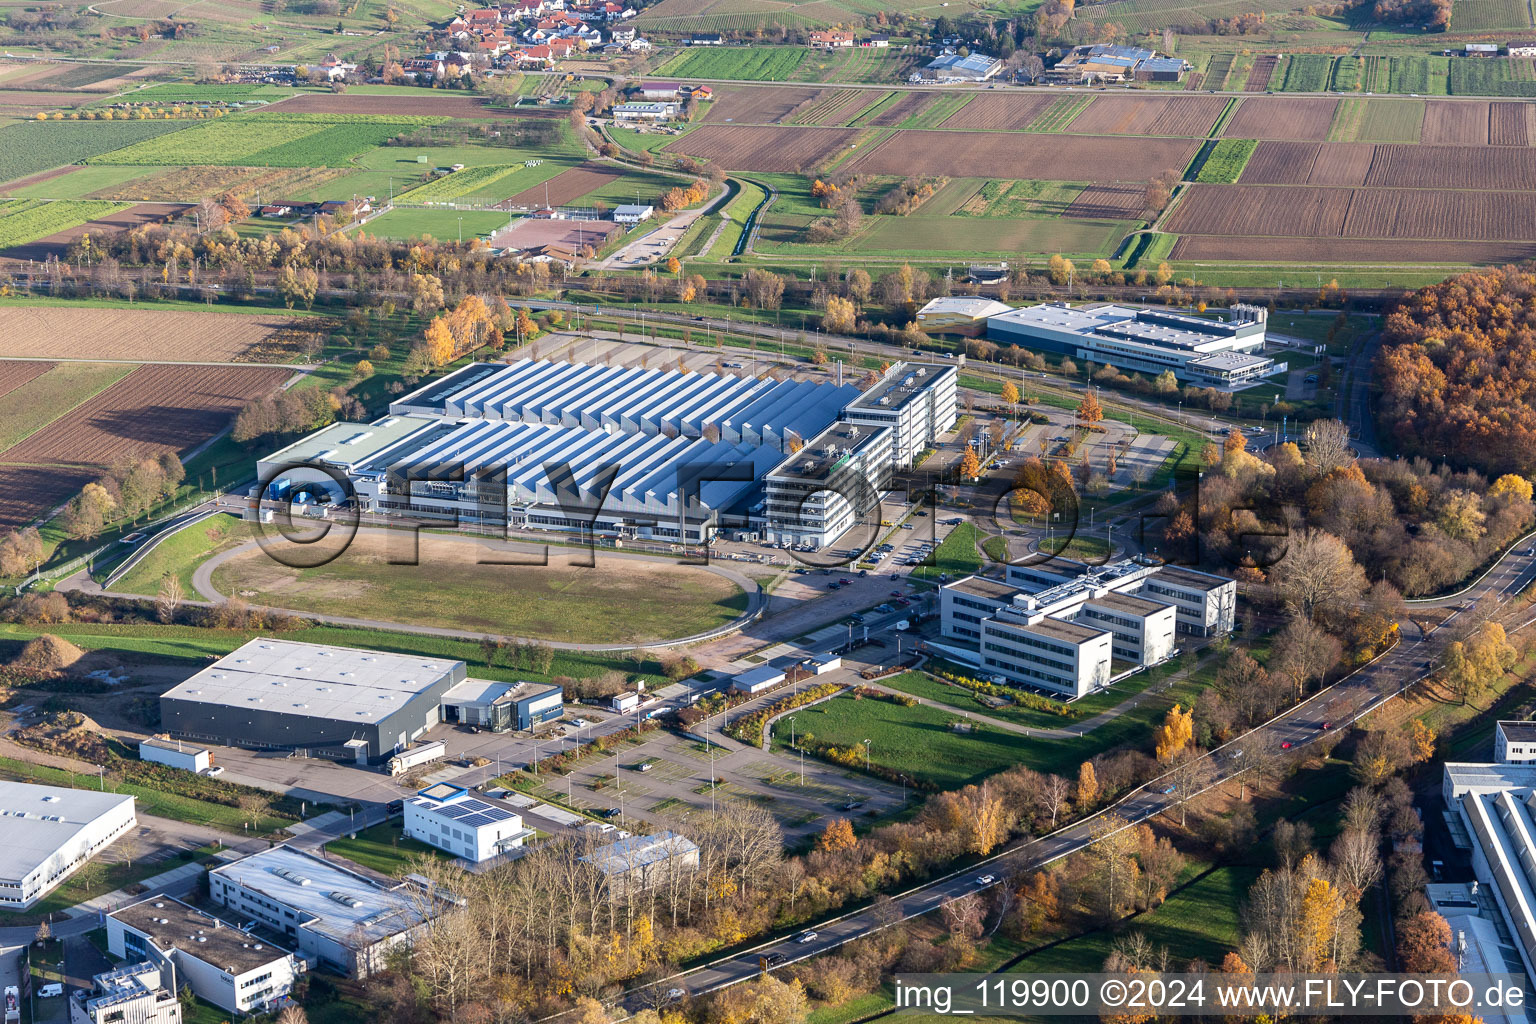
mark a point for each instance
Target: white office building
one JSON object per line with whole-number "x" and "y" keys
{"x": 916, "y": 400}
{"x": 1490, "y": 810}
{"x": 474, "y": 828}
{"x": 336, "y": 919}
{"x": 1220, "y": 353}
{"x": 645, "y": 862}
{"x": 222, "y": 964}
{"x": 1514, "y": 742}
{"x": 137, "y": 993}
{"x": 49, "y": 832}
{"x": 1069, "y": 629}
{"x": 819, "y": 493}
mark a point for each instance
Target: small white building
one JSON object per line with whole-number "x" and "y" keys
{"x": 625, "y": 701}
{"x": 138, "y": 992}
{"x": 757, "y": 680}
{"x": 448, "y": 817}
{"x": 1514, "y": 742}
{"x": 645, "y": 111}
{"x": 49, "y": 832}
{"x": 176, "y": 754}
{"x": 1522, "y": 49}
{"x": 644, "y": 862}
{"x": 225, "y": 965}
{"x": 631, "y": 213}
{"x": 821, "y": 664}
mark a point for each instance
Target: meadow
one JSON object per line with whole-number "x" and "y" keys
{"x": 443, "y": 225}
{"x": 738, "y": 63}
{"x": 1226, "y": 160}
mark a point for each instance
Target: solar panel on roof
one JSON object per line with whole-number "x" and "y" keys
{"x": 476, "y": 820}
{"x": 475, "y": 805}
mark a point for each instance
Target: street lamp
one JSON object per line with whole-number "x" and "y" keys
{"x": 866, "y": 756}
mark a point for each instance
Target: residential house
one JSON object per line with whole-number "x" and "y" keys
{"x": 875, "y": 42}
{"x": 1522, "y": 49}
{"x": 829, "y": 39}
{"x": 706, "y": 39}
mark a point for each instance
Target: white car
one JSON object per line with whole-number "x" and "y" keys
{"x": 674, "y": 994}
{"x": 216, "y": 771}
{"x": 985, "y": 880}
{"x": 806, "y": 937}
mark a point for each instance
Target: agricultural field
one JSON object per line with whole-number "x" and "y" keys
{"x": 451, "y": 586}
{"x": 735, "y": 63}
{"x": 748, "y": 148}
{"x": 1113, "y": 202}
{"x": 1306, "y": 72}
{"x": 422, "y": 104}
{"x": 491, "y": 183}
{"x": 26, "y": 220}
{"x": 124, "y": 218}
{"x": 746, "y": 15}
{"x": 154, "y": 409}
{"x": 28, "y": 493}
{"x": 1497, "y": 77}
{"x": 1252, "y": 210}
{"x": 33, "y": 146}
{"x": 1019, "y": 156}
{"x": 899, "y": 108}
{"x": 1281, "y": 117}
{"x": 444, "y": 225}
{"x": 31, "y": 404}
{"x": 1381, "y": 120}
{"x": 1150, "y": 115}
{"x": 1060, "y": 114}
{"x": 567, "y": 186}
{"x": 186, "y": 184}
{"x": 56, "y": 331}
{"x": 75, "y": 183}
{"x": 1009, "y": 199}
{"x": 1225, "y": 162}
{"x": 1393, "y": 166}
{"x": 267, "y": 140}
{"x": 1311, "y": 253}
{"x": 1261, "y": 74}
{"x": 1489, "y": 15}
{"x": 1005, "y": 113}
{"x": 1457, "y": 123}
{"x": 762, "y": 104}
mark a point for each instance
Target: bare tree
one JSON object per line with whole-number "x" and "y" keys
{"x": 1327, "y": 445}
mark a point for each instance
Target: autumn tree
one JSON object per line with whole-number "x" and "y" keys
{"x": 970, "y": 465}
{"x": 1089, "y": 411}
{"x": 840, "y": 316}
{"x": 1010, "y": 394}
{"x": 1175, "y": 735}
{"x": 838, "y": 835}
{"x": 1473, "y": 666}
{"x": 1086, "y": 793}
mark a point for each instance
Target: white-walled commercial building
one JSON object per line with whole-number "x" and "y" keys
{"x": 1220, "y": 353}
{"x": 336, "y": 702}
{"x": 450, "y": 818}
{"x": 645, "y": 862}
{"x": 502, "y": 707}
{"x": 49, "y": 832}
{"x": 136, "y": 993}
{"x": 1514, "y": 742}
{"x": 335, "y": 918}
{"x": 175, "y": 754}
{"x": 224, "y": 965}
{"x": 918, "y": 401}
{"x": 834, "y": 482}
{"x": 957, "y": 312}
{"x": 1491, "y": 811}
{"x": 1070, "y": 629}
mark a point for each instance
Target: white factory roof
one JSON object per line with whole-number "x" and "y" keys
{"x": 965, "y": 305}
{"x": 313, "y": 681}
{"x": 337, "y": 903}
{"x": 902, "y": 383}
{"x": 649, "y": 465}
{"x": 39, "y": 820}
{"x": 349, "y": 444}
{"x": 1151, "y": 327}
{"x": 580, "y": 395}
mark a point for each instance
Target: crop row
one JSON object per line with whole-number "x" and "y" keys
{"x": 268, "y": 140}
{"x": 478, "y": 181}
{"x": 738, "y": 63}
{"x": 33, "y": 146}
{"x": 25, "y": 221}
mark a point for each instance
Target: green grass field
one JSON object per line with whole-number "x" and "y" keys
{"x": 955, "y": 556}
{"x": 179, "y": 554}
{"x": 737, "y": 63}
{"x": 443, "y": 225}
{"x": 1377, "y": 119}
{"x": 1060, "y": 114}
{"x": 1306, "y": 72}
{"x": 736, "y": 213}
{"x": 1227, "y": 158}
{"x": 1490, "y": 15}
{"x": 80, "y": 182}
{"x": 451, "y": 587}
{"x": 383, "y": 848}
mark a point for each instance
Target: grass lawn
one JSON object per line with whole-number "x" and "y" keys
{"x": 920, "y": 684}
{"x": 621, "y": 601}
{"x": 384, "y": 849}
{"x": 181, "y": 553}
{"x": 955, "y": 556}
{"x": 444, "y": 225}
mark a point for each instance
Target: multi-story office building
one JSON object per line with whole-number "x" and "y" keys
{"x": 138, "y": 993}
{"x": 448, "y": 817}
{"x": 835, "y": 481}
{"x": 916, "y": 400}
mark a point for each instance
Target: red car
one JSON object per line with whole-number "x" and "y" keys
{"x": 1325, "y": 725}
{"x": 845, "y": 581}
{"x": 895, "y": 593}
{"x": 1286, "y": 745}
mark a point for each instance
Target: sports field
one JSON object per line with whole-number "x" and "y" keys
{"x": 620, "y": 601}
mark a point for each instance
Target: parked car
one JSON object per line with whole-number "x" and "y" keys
{"x": 215, "y": 771}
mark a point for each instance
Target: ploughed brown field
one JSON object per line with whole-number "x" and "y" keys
{"x": 1281, "y": 117}
{"x": 909, "y": 105}
{"x": 50, "y": 332}
{"x": 1112, "y": 202}
{"x": 1149, "y": 115}
{"x": 28, "y": 493}
{"x": 155, "y": 409}
{"x": 1392, "y": 166}
{"x": 413, "y": 106}
{"x": 1261, "y": 72}
{"x": 991, "y": 112}
{"x": 57, "y": 244}
{"x": 16, "y": 372}
{"x": 1254, "y": 210}
{"x": 1090, "y": 158}
{"x": 764, "y": 148}
{"x": 759, "y": 104}
{"x": 1312, "y": 251}
{"x": 565, "y": 186}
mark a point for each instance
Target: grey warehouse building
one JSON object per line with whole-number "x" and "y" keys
{"x": 333, "y": 702}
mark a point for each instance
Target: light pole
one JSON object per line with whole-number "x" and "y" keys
{"x": 866, "y": 757}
